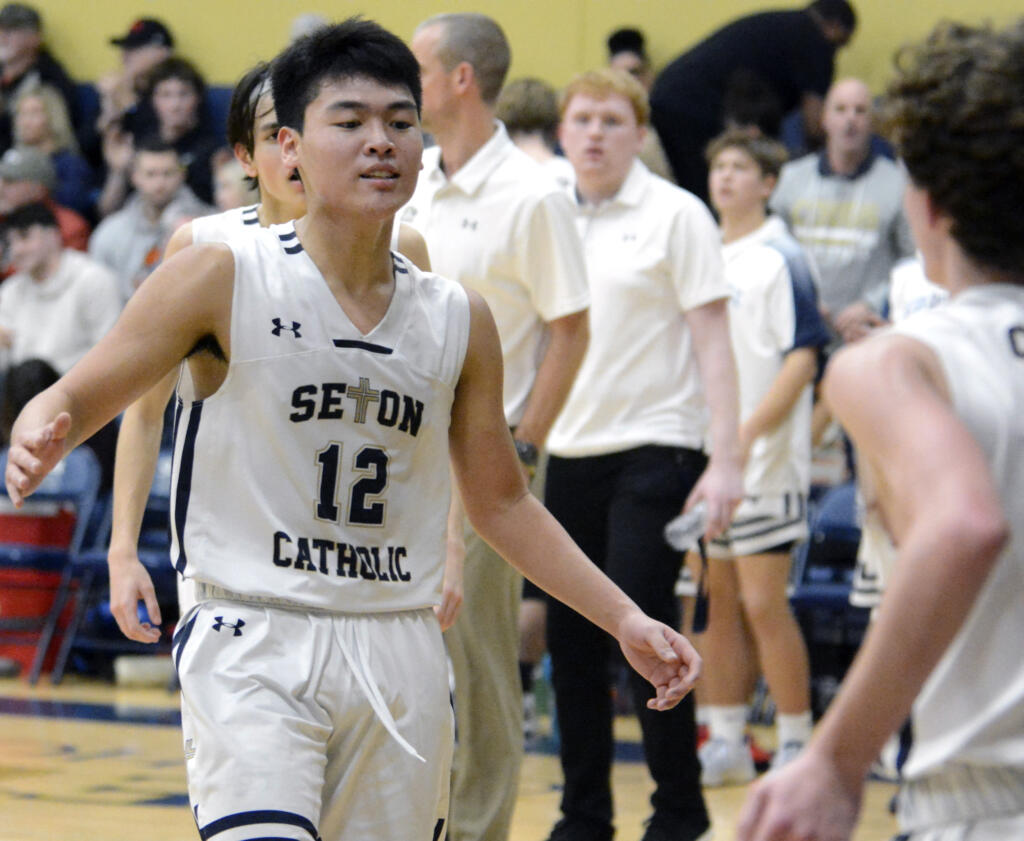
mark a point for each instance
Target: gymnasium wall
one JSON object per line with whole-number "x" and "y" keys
{"x": 553, "y": 39}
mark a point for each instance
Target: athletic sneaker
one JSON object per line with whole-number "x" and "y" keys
{"x": 576, "y": 829}
{"x": 725, "y": 763}
{"x": 668, "y": 826}
{"x": 786, "y": 754}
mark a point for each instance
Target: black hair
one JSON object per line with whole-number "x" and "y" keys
{"x": 23, "y": 382}
{"x": 242, "y": 115}
{"x": 30, "y": 215}
{"x": 627, "y": 40}
{"x": 241, "y": 125}
{"x": 155, "y": 145}
{"x": 836, "y": 11}
{"x": 175, "y": 68}
{"x": 355, "y": 47}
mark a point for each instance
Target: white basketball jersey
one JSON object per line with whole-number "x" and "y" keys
{"x": 318, "y": 472}
{"x": 971, "y": 709}
{"x": 220, "y": 227}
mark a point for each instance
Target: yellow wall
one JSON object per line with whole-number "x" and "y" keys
{"x": 552, "y": 39}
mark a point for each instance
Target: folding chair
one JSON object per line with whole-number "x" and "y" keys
{"x": 822, "y": 578}
{"x": 73, "y": 484}
{"x": 92, "y": 576}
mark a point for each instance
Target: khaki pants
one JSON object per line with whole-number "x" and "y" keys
{"x": 483, "y": 647}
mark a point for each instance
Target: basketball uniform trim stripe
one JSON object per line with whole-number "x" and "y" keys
{"x": 358, "y": 345}
{"x": 256, "y": 817}
{"x": 180, "y": 639}
{"x": 184, "y": 486}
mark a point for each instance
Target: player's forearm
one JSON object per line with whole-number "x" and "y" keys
{"x": 941, "y": 567}
{"x": 713, "y": 349}
{"x": 555, "y": 375}
{"x": 138, "y": 446}
{"x": 778, "y": 402}
{"x": 527, "y": 536}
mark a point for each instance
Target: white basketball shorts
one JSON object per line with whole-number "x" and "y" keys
{"x": 312, "y": 725}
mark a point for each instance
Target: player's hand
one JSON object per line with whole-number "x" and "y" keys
{"x": 661, "y": 655}
{"x": 721, "y": 487}
{"x": 129, "y": 584}
{"x": 806, "y": 800}
{"x": 452, "y": 589}
{"x": 32, "y": 455}
{"x": 856, "y": 321}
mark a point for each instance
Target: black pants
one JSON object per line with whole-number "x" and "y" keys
{"x": 615, "y": 507}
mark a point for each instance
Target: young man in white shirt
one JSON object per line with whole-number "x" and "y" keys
{"x": 627, "y": 449}
{"x": 778, "y": 335}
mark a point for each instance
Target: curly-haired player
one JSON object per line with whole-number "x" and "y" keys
{"x": 935, "y": 406}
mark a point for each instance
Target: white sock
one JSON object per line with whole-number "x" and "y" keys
{"x": 729, "y": 723}
{"x": 793, "y": 728}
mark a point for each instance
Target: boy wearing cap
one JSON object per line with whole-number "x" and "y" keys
{"x": 27, "y": 176}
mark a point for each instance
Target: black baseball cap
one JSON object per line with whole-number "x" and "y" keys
{"x": 19, "y": 16}
{"x": 145, "y": 32}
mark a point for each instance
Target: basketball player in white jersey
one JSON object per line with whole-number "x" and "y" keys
{"x": 311, "y": 486}
{"x": 252, "y": 135}
{"x": 935, "y": 406}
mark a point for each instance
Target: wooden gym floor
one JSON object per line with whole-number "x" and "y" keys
{"x": 88, "y": 761}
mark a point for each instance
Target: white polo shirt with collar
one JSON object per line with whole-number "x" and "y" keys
{"x": 502, "y": 227}
{"x": 652, "y": 253}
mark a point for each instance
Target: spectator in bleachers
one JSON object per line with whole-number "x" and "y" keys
{"x": 792, "y": 51}
{"x": 231, "y": 186}
{"x": 174, "y": 93}
{"x": 28, "y": 176}
{"x": 131, "y": 241}
{"x": 41, "y": 121}
{"x": 845, "y": 206}
{"x": 529, "y": 110}
{"x": 146, "y": 43}
{"x": 25, "y": 63}
{"x": 627, "y": 51}
{"x": 123, "y": 110}
{"x": 59, "y": 302}
{"x": 777, "y": 336}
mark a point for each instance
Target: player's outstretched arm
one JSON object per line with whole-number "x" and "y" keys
{"x": 186, "y": 299}
{"x": 946, "y": 518}
{"x": 494, "y": 493}
{"x": 138, "y": 447}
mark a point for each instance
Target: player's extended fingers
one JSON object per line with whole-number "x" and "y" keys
{"x": 750, "y": 814}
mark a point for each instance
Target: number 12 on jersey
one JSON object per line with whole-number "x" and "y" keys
{"x": 365, "y": 507}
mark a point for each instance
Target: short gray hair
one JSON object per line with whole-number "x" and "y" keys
{"x": 477, "y": 40}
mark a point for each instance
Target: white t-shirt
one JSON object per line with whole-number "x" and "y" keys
{"x": 773, "y": 310}
{"x": 59, "y": 319}
{"x": 318, "y": 472}
{"x": 971, "y": 708}
{"x": 652, "y": 254}
{"x": 501, "y": 227}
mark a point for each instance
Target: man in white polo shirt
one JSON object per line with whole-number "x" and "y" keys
{"x": 496, "y": 222}
{"x": 627, "y": 449}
